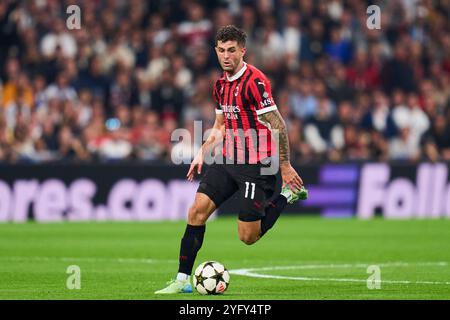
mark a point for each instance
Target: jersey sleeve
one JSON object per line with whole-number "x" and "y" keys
{"x": 261, "y": 94}
{"x": 216, "y": 89}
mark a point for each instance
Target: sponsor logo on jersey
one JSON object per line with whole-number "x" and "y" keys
{"x": 231, "y": 112}
{"x": 267, "y": 102}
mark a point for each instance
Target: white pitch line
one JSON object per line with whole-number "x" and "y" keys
{"x": 89, "y": 259}
{"x": 250, "y": 272}
{"x": 353, "y": 265}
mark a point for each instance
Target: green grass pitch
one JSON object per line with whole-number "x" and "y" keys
{"x": 300, "y": 258}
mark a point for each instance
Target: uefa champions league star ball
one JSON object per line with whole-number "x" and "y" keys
{"x": 211, "y": 277}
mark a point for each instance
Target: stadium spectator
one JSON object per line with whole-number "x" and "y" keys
{"x": 320, "y": 129}
{"x": 437, "y": 140}
{"x": 398, "y": 72}
{"x": 292, "y": 39}
{"x": 338, "y": 48}
{"x": 61, "y": 90}
{"x": 412, "y": 118}
{"x": 379, "y": 117}
{"x": 58, "y": 38}
{"x": 195, "y": 30}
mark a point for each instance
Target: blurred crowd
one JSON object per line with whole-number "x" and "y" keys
{"x": 136, "y": 70}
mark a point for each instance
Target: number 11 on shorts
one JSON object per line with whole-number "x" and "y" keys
{"x": 247, "y": 184}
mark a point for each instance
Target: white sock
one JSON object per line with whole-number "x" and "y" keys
{"x": 286, "y": 194}
{"x": 182, "y": 276}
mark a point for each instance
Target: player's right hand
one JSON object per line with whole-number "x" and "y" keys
{"x": 196, "y": 165}
{"x": 290, "y": 177}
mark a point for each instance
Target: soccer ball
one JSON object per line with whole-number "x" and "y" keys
{"x": 211, "y": 277}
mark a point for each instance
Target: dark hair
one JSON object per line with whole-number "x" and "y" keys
{"x": 231, "y": 33}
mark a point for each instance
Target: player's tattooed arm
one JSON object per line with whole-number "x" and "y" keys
{"x": 288, "y": 174}
{"x": 277, "y": 123}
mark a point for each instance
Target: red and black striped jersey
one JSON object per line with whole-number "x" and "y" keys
{"x": 241, "y": 98}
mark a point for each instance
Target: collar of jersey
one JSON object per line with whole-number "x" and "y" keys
{"x": 238, "y": 74}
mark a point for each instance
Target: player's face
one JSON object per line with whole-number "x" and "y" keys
{"x": 230, "y": 54}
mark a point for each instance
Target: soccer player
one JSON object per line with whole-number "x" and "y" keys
{"x": 244, "y": 103}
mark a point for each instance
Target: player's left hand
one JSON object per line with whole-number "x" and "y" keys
{"x": 197, "y": 163}
{"x": 290, "y": 177}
